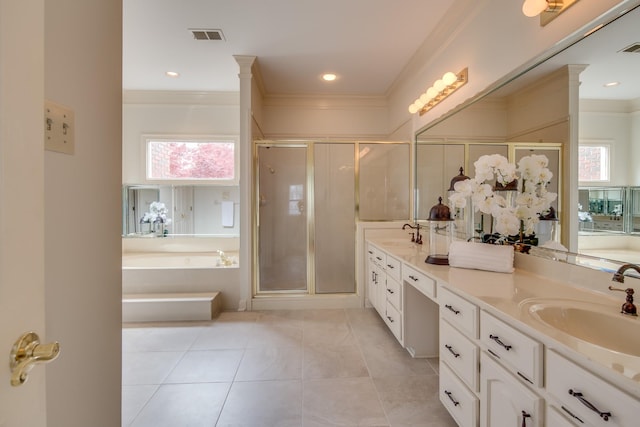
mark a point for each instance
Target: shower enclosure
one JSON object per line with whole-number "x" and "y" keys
{"x": 306, "y": 218}
{"x": 309, "y": 197}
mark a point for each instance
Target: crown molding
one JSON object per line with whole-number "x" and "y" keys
{"x": 180, "y": 97}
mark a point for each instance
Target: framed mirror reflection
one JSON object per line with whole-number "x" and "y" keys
{"x": 185, "y": 210}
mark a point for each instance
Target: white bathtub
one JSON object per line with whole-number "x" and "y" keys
{"x": 162, "y": 260}
{"x": 182, "y": 265}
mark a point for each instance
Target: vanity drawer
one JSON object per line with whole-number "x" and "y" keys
{"x": 394, "y": 293}
{"x": 555, "y": 418}
{"x": 377, "y": 255}
{"x": 459, "y": 401}
{"x": 520, "y": 352}
{"x": 459, "y": 312}
{"x": 564, "y": 379}
{"x": 394, "y": 321}
{"x": 392, "y": 267}
{"x": 419, "y": 281}
{"x": 460, "y": 354}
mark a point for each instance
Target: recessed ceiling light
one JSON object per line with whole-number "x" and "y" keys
{"x": 611, "y": 84}
{"x": 329, "y": 77}
{"x": 172, "y": 74}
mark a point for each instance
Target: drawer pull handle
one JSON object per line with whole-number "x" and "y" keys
{"x": 524, "y": 418}
{"x": 390, "y": 266}
{"x": 604, "y": 415}
{"x": 455, "y": 402}
{"x": 415, "y": 279}
{"x": 497, "y": 339}
{"x": 370, "y": 252}
{"x": 571, "y": 413}
{"x": 521, "y": 375}
{"x": 378, "y": 258}
{"x": 390, "y": 291}
{"x": 456, "y": 355}
{"x": 452, "y": 309}
{"x": 390, "y": 319}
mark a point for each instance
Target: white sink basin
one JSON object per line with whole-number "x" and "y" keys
{"x": 597, "y": 324}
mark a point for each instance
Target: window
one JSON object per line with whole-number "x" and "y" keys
{"x": 191, "y": 159}
{"x": 593, "y": 162}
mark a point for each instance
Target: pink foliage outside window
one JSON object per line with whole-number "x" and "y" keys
{"x": 592, "y": 163}
{"x": 191, "y": 160}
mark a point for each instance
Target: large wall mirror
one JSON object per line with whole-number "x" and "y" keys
{"x": 587, "y": 95}
{"x": 179, "y": 210}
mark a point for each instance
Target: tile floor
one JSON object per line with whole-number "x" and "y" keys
{"x": 306, "y": 368}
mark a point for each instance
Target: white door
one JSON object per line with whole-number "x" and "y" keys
{"x": 21, "y": 203}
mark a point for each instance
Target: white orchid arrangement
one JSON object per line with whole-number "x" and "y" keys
{"x": 157, "y": 214}
{"x": 531, "y": 201}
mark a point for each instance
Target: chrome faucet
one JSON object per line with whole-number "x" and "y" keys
{"x": 628, "y": 307}
{"x": 415, "y": 237}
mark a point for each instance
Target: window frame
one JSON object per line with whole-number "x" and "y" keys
{"x": 607, "y": 146}
{"x": 144, "y": 156}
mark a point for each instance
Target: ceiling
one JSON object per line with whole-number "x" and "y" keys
{"x": 366, "y": 43}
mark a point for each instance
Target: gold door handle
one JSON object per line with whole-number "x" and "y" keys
{"x": 27, "y": 352}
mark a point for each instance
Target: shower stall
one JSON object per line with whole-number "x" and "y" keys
{"x": 309, "y": 197}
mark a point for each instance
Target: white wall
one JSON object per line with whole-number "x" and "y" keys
{"x": 286, "y": 117}
{"x": 83, "y": 69}
{"x": 493, "y": 39}
{"x": 172, "y": 113}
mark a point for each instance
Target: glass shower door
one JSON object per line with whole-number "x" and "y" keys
{"x": 282, "y": 218}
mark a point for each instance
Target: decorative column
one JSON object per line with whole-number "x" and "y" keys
{"x": 245, "y": 75}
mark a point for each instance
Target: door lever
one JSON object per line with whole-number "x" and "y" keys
{"x": 27, "y": 352}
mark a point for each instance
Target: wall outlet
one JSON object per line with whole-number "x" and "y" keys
{"x": 59, "y": 128}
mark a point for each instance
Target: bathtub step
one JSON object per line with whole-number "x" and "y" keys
{"x": 156, "y": 307}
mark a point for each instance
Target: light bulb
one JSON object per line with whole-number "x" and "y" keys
{"x": 419, "y": 104}
{"x": 431, "y": 93}
{"x": 439, "y": 85}
{"x": 413, "y": 108}
{"x": 449, "y": 78}
{"x": 424, "y": 98}
{"x": 533, "y": 8}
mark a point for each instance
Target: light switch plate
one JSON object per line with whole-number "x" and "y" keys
{"x": 59, "y": 128}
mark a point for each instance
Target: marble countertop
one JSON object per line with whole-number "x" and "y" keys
{"x": 509, "y": 296}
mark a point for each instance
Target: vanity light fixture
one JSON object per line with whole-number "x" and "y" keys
{"x": 441, "y": 89}
{"x": 329, "y": 77}
{"x": 547, "y": 9}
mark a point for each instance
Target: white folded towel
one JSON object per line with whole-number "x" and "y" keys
{"x": 481, "y": 256}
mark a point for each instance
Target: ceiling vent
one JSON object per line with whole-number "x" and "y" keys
{"x": 215, "y": 35}
{"x": 634, "y": 48}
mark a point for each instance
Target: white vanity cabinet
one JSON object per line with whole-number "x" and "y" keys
{"x": 520, "y": 354}
{"x": 495, "y": 370}
{"x": 384, "y": 288}
{"x": 459, "y": 354}
{"x": 505, "y": 401}
{"x": 587, "y": 398}
{"x": 373, "y": 274}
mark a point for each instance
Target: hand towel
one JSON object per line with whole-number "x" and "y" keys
{"x": 481, "y": 256}
{"x": 227, "y": 213}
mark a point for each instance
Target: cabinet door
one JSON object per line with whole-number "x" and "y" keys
{"x": 372, "y": 272}
{"x": 505, "y": 402}
{"x": 381, "y": 291}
